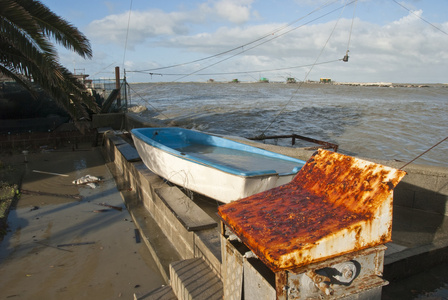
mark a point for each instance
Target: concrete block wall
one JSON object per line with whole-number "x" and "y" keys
{"x": 424, "y": 188}
{"x": 136, "y": 177}
{"x": 115, "y": 120}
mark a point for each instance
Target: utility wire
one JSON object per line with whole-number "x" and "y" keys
{"x": 266, "y": 41}
{"x": 351, "y": 27}
{"x": 147, "y": 102}
{"x": 306, "y": 76}
{"x": 127, "y": 34}
{"x": 240, "y": 72}
{"x": 412, "y": 12}
{"x": 328, "y": 3}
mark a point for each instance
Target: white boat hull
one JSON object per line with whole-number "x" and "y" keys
{"x": 202, "y": 178}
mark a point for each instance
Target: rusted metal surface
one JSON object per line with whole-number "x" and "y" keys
{"x": 335, "y": 205}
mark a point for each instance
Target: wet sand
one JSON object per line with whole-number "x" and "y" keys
{"x": 101, "y": 258}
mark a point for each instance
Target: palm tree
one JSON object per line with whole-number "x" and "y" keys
{"x": 28, "y": 56}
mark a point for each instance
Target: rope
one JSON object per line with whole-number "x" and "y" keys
{"x": 147, "y": 102}
{"x": 425, "y": 152}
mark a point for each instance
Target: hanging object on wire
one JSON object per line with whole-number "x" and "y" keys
{"x": 346, "y": 57}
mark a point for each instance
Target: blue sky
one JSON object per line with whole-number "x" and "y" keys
{"x": 387, "y": 42}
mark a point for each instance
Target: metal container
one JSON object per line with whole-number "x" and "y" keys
{"x": 336, "y": 205}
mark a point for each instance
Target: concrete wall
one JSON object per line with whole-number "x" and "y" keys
{"x": 424, "y": 188}
{"x": 114, "y": 120}
{"x": 136, "y": 177}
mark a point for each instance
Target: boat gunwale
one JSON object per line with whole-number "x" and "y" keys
{"x": 137, "y": 132}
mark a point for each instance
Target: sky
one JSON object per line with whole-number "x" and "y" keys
{"x": 197, "y": 40}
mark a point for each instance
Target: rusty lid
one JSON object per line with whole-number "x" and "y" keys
{"x": 336, "y": 204}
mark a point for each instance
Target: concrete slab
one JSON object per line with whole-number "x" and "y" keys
{"x": 188, "y": 213}
{"x": 129, "y": 152}
{"x": 193, "y": 279}
{"x": 62, "y": 248}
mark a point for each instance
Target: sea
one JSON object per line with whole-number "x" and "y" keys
{"x": 387, "y": 122}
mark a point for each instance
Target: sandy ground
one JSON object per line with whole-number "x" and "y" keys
{"x": 101, "y": 258}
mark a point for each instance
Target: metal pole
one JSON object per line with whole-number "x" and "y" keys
{"x": 117, "y": 85}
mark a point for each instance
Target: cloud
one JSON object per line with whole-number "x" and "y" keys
{"x": 155, "y": 23}
{"x": 142, "y": 25}
{"x": 400, "y": 49}
{"x": 233, "y": 10}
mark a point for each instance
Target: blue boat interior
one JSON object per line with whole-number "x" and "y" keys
{"x": 220, "y": 153}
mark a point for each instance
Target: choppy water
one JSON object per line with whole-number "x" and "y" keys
{"x": 374, "y": 122}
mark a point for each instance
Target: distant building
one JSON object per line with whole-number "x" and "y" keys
{"x": 325, "y": 80}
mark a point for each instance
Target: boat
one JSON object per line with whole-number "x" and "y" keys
{"x": 210, "y": 165}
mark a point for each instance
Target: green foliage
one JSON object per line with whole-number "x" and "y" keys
{"x": 27, "y": 54}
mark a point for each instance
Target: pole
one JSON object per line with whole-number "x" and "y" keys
{"x": 117, "y": 85}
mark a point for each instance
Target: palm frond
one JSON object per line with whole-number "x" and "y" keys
{"x": 26, "y": 53}
{"x": 57, "y": 28}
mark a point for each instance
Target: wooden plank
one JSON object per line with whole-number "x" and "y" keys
{"x": 117, "y": 140}
{"x": 192, "y": 217}
{"x": 129, "y": 152}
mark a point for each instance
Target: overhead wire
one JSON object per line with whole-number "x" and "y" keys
{"x": 127, "y": 34}
{"x": 439, "y": 29}
{"x": 328, "y": 3}
{"x": 244, "y": 72}
{"x": 148, "y": 103}
{"x": 264, "y": 42}
{"x": 257, "y": 45}
{"x": 424, "y": 152}
{"x": 307, "y": 74}
{"x": 350, "y": 34}
{"x": 412, "y": 12}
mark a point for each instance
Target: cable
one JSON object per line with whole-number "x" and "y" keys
{"x": 147, "y": 102}
{"x": 240, "y": 72}
{"x": 264, "y": 42}
{"x": 420, "y": 17}
{"x": 306, "y": 76}
{"x": 127, "y": 34}
{"x": 351, "y": 29}
{"x": 247, "y": 44}
{"x": 424, "y": 152}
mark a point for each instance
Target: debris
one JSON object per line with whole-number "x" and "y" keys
{"x": 87, "y": 179}
{"x": 93, "y": 185}
{"x": 137, "y": 236}
{"x": 34, "y": 208}
{"x": 50, "y": 173}
{"x": 77, "y": 197}
{"x": 75, "y": 244}
{"x": 101, "y": 210}
{"x": 111, "y": 206}
{"x": 46, "y": 245}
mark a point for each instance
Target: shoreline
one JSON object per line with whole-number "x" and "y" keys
{"x": 310, "y": 82}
